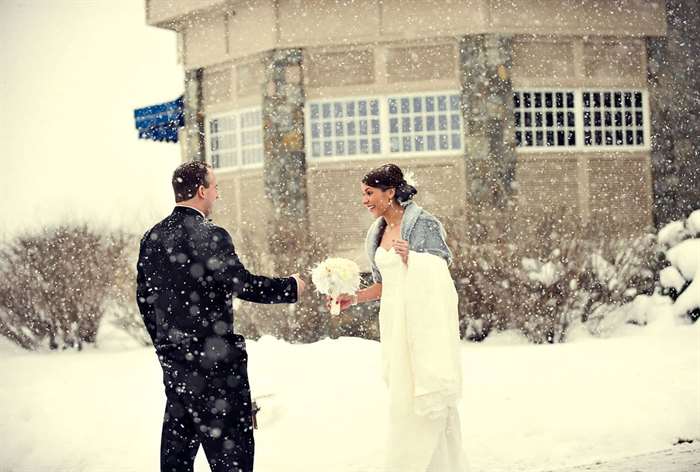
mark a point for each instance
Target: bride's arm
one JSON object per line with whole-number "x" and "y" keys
{"x": 371, "y": 293}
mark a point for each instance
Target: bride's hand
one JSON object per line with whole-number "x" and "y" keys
{"x": 401, "y": 248}
{"x": 344, "y": 301}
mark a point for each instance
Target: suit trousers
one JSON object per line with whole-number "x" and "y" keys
{"x": 211, "y": 408}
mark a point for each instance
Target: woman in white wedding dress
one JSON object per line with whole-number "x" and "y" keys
{"x": 419, "y": 327}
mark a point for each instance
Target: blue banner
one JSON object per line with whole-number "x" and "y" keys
{"x": 160, "y": 122}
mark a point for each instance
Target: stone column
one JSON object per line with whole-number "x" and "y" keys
{"x": 487, "y": 108}
{"x": 673, "y": 74}
{"x": 285, "y": 159}
{"x": 192, "y": 135}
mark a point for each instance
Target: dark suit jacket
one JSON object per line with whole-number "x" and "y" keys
{"x": 187, "y": 276}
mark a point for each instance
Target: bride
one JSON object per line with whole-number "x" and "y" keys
{"x": 419, "y": 327}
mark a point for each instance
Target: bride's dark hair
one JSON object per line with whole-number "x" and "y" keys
{"x": 390, "y": 176}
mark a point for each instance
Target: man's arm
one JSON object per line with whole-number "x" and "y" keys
{"x": 230, "y": 271}
{"x": 144, "y": 296}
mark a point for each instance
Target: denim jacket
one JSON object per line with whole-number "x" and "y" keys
{"x": 422, "y": 230}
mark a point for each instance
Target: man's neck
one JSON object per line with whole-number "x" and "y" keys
{"x": 185, "y": 205}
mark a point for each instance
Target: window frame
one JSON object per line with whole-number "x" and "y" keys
{"x": 579, "y": 124}
{"x": 563, "y": 91}
{"x": 384, "y": 135}
{"x": 238, "y": 113}
{"x": 646, "y": 126}
{"x": 308, "y": 137}
{"x": 437, "y": 152}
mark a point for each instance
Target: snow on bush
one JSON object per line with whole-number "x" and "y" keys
{"x": 684, "y": 257}
{"x": 680, "y": 280}
{"x": 693, "y": 223}
{"x": 503, "y": 287}
{"x": 546, "y": 278}
{"x": 55, "y": 285}
{"x": 672, "y": 233}
{"x": 669, "y": 277}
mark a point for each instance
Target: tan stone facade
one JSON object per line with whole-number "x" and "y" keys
{"x": 370, "y": 48}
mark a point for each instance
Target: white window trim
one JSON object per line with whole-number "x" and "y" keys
{"x": 578, "y": 122}
{"x": 565, "y": 148}
{"x": 646, "y": 128}
{"x": 239, "y": 138}
{"x": 437, "y": 152}
{"x": 333, "y": 158}
{"x": 384, "y": 135}
{"x": 208, "y": 135}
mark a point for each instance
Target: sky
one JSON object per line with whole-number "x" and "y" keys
{"x": 73, "y": 71}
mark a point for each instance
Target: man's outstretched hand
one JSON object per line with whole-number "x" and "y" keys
{"x": 301, "y": 285}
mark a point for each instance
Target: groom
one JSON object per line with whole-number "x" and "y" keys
{"x": 188, "y": 275}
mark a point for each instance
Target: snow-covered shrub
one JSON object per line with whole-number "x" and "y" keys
{"x": 121, "y": 302}
{"x": 680, "y": 243}
{"x": 54, "y": 285}
{"x": 617, "y": 273}
{"x": 547, "y": 279}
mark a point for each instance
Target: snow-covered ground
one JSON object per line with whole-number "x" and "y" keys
{"x": 525, "y": 408}
{"x": 680, "y": 458}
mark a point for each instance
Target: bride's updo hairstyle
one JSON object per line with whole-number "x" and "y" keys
{"x": 390, "y": 176}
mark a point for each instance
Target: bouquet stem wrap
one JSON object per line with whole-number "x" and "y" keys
{"x": 335, "y": 306}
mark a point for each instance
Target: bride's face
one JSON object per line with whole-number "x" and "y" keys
{"x": 376, "y": 200}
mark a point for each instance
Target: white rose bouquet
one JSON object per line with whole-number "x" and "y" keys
{"x": 336, "y": 276}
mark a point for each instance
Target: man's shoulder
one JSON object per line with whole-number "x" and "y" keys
{"x": 217, "y": 231}
{"x": 155, "y": 230}
{"x": 152, "y": 234}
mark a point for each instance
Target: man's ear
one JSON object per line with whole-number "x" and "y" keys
{"x": 200, "y": 191}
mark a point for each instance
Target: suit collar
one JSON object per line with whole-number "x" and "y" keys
{"x": 188, "y": 210}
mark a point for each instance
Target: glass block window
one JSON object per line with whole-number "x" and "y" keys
{"x": 544, "y": 118}
{"x": 349, "y": 127}
{"x": 613, "y": 118}
{"x": 235, "y": 139}
{"x": 425, "y": 123}
{"x": 251, "y": 137}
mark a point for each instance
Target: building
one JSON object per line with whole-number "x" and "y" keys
{"x": 296, "y": 100}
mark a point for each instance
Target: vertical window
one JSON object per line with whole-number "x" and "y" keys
{"x": 223, "y": 141}
{"x": 251, "y": 137}
{"x": 425, "y": 123}
{"x": 235, "y": 139}
{"x": 613, "y": 118}
{"x": 344, "y": 127}
{"x": 544, "y": 118}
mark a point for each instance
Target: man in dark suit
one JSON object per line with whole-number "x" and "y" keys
{"x": 188, "y": 275}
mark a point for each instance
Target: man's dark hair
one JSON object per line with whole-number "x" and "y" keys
{"x": 188, "y": 177}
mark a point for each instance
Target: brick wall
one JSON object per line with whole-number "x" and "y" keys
{"x": 619, "y": 192}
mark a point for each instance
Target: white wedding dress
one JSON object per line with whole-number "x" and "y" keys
{"x": 420, "y": 363}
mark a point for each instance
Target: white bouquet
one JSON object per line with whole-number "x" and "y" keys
{"x": 336, "y": 276}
